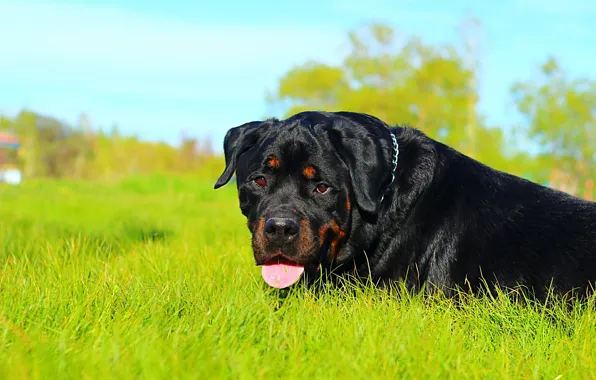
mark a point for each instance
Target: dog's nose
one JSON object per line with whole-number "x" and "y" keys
{"x": 281, "y": 229}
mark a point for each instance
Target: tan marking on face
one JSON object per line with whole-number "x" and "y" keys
{"x": 306, "y": 243}
{"x": 273, "y": 162}
{"x": 322, "y": 232}
{"x": 258, "y": 240}
{"x": 309, "y": 172}
{"x": 348, "y": 206}
{"x": 337, "y": 235}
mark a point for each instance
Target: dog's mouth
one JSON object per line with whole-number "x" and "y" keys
{"x": 281, "y": 272}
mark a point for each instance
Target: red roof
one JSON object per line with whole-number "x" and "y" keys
{"x": 8, "y": 139}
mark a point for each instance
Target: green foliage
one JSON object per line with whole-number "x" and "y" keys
{"x": 402, "y": 82}
{"x": 51, "y": 148}
{"x": 153, "y": 277}
{"x": 561, "y": 119}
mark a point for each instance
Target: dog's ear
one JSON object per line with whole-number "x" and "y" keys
{"x": 237, "y": 141}
{"x": 364, "y": 144}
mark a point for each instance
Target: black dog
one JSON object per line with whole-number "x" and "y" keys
{"x": 345, "y": 192}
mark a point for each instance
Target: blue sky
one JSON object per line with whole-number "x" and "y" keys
{"x": 155, "y": 69}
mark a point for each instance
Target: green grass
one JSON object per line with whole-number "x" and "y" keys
{"x": 154, "y": 278}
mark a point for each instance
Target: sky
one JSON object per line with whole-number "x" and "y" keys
{"x": 155, "y": 68}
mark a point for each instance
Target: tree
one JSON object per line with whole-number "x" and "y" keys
{"x": 560, "y": 119}
{"x": 52, "y": 148}
{"x": 402, "y": 82}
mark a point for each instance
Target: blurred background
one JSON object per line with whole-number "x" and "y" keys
{"x": 98, "y": 91}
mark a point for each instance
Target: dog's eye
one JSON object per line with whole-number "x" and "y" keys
{"x": 260, "y": 181}
{"x": 322, "y": 188}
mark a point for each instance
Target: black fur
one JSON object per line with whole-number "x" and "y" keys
{"x": 446, "y": 221}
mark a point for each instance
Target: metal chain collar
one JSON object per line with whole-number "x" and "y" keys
{"x": 393, "y": 162}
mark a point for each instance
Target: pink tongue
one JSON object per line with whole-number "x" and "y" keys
{"x": 281, "y": 275}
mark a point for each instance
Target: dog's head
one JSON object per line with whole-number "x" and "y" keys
{"x": 305, "y": 183}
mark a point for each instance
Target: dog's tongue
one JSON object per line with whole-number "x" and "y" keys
{"x": 281, "y": 275}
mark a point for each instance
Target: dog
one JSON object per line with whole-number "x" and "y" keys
{"x": 345, "y": 193}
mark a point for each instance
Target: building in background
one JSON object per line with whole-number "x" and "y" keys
{"x": 9, "y": 172}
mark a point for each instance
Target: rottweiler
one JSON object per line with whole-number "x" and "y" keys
{"x": 346, "y": 193}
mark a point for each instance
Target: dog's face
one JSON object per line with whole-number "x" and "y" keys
{"x": 304, "y": 184}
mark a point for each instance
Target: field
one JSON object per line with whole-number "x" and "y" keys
{"x": 154, "y": 278}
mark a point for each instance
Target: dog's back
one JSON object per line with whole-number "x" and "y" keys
{"x": 511, "y": 230}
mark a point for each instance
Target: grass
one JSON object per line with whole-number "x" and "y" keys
{"x": 154, "y": 278}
